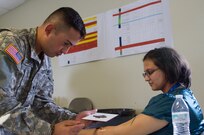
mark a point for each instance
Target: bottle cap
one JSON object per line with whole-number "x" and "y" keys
{"x": 179, "y": 96}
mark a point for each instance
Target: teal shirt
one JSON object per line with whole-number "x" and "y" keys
{"x": 160, "y": 108}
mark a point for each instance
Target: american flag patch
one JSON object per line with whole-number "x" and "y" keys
{"x": 14, "y": 53}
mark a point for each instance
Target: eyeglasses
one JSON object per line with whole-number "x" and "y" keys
{"x": 149, "y": 72}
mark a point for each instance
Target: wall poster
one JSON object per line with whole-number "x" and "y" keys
{"x": 127, "y": 30}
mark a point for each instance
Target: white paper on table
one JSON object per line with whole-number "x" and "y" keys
{"x": 103, "y": 117}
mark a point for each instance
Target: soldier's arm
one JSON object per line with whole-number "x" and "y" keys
{"x": 20, "y": 119}
{"x": 8, "y": 102}
{"x": 7, "y": 95}
{"x": 43, "y": 105}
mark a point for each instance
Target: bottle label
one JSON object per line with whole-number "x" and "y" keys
{"x": 180, "y": 117}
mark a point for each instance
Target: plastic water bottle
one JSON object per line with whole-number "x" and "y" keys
{"x": 180, "y": 116}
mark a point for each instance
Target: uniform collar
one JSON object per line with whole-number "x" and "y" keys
{"x": 32, "y": 40}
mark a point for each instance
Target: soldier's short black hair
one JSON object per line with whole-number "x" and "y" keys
{"x": 70, "y": 17}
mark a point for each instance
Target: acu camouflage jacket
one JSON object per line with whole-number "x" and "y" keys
{"x": 26, "y": 85}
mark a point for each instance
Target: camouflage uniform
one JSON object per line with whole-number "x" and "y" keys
{"x": 26, "y": 86}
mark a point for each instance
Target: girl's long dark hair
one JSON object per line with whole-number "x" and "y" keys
{"x": 174, "y": 66}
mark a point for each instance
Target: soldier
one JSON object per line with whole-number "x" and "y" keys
{"x": 26, "y": 83}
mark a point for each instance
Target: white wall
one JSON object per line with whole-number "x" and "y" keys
{"x": 117, "y": 82}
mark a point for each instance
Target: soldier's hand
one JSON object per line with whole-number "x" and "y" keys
{"x": 83, "y": 114}
{"x": 68, "y": 127}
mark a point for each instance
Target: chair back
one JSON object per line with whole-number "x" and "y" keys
{"x": 80, "y": 104}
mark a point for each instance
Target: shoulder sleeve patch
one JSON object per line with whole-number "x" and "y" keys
{"x": 12, "y": 51}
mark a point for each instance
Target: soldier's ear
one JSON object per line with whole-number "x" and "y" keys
{"x": 49, "y": 28}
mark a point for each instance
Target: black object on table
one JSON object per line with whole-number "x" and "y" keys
{"x": 124, "y": 114}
